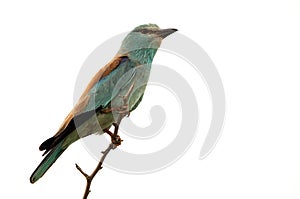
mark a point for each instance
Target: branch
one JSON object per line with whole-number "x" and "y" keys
{"x": 89, "y": 178}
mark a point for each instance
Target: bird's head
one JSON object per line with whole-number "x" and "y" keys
{"x": 148, "y": 36}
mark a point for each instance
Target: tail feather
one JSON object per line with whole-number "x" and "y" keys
{"x": 47, "y": 162}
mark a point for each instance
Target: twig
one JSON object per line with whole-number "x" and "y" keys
{"x": 115, "y": 142}
{"x": 89, "y": 178}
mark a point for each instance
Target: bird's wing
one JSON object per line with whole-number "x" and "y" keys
{"x": 84, "y": 100}
{"x": 97, "y": 94}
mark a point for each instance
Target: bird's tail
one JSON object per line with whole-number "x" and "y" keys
{"x": 47, "y": 162}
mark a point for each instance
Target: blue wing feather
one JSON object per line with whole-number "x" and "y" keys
{"x": 105, "y": 89}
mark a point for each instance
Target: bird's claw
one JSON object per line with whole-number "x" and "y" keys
{"x": 116, "y": 140}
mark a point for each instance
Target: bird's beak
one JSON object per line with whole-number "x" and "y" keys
{"x": 163, "y": 33}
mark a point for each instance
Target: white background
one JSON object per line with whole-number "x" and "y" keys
{"x": 255, "y": 46}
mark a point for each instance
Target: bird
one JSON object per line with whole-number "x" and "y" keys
{"x": 129, "y": 68}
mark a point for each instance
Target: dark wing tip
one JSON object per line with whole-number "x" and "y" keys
{"x": 46, "y": 145}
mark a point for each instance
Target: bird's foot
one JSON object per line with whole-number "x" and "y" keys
{"x": 115, "y": 138}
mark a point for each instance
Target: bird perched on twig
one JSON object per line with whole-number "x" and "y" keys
{"x": 129, "y": 68}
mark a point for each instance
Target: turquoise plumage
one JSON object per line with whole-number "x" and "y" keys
{"x": 131, "y": 65}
